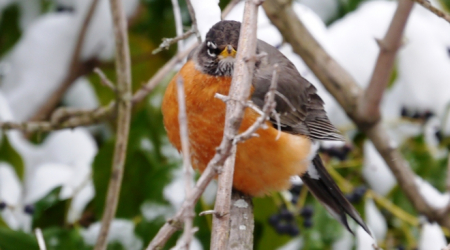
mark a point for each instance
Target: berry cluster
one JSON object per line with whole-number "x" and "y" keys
{"x": 307, "y": 212}
{"x": 357, "y": 194}
{"x": 284, "y": 223}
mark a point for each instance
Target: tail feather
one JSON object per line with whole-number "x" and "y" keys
{"x": 323, "y": 187}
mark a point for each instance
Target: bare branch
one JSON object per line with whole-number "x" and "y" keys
{"x": 269, "y": 107}
{"x": 240, "y": 91}
{"x": 427, "y": 5}
{"x": 178, "y": 23}
{"x": 123, "y": 71}
{"x": 369, "y": 108}
{"x": 343, "y": 87}
{"x": 184, "y": 135}
{"x": 169, "y": 41}
{"x": 76, "y": 69}
{"x": 194, "y": 21}
{"x": 242, "y": 222}
{"x": 104, "y": 80}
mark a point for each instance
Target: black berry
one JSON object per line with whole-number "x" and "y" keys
{"x": 308, "y": 223}
{"x": 307, "y": 211}
{"x": 29, "y": 209}
{"x": 282, "y": 228}
{"x": 274, "y": 220}
{"x": 2, "y": 205}
{"x": 401, "y": 247}
{"x": 438, "y": 135}
{"x": 286, "y": 215}
{"x": 293, "y": 230}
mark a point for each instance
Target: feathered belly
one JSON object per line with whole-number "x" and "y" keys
{"x": 263, "y": 164}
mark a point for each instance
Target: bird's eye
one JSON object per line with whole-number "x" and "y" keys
{"x": 211, "y": 52}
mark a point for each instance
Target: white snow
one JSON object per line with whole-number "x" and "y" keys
{"x": 431, "y": 237}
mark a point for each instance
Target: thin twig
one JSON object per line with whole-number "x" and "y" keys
{"x": 268, "y": 108}
{"x": 369, "y": 108}
{"x": 76, "y": 69}
{"x": 194, "y": 20}
{"x": 40, "y": 239}
{"x": 427, "y": 5}
{"x": 104, "y": 79}
{"x": 169, "y": 41}
{"x": 184, "y": 135}
{"x": 178, "y": 24}
{"x": 123, "y": 71}
{"x": 347, "y": 92}
{"x": 239, "y": 90}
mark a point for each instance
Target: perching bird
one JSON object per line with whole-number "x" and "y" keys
{"x": 263, "y": 164}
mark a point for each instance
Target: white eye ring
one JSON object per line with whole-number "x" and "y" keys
{"x": 211, "y": 45}
{"x": 211, "y": 54}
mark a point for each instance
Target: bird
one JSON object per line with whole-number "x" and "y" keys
{"x": 265, "y": 163}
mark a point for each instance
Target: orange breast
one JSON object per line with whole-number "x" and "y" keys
{"x": 263, "y": 164}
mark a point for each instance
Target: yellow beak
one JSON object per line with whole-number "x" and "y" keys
{"x": 228, "y": 51}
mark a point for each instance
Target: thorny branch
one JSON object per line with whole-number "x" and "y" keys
{"x": 346, "y": 91}
{"x": 123, "y": 71}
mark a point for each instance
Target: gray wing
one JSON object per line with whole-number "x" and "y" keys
{"x": 309, "y": 117}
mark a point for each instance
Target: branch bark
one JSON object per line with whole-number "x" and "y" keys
{"x": 242, "y": 222}
{"x": 123, "y": 71}
{"x": 342, "y": 86}
{"x": 369, "y": 108}
{"x": 239, "y": 94}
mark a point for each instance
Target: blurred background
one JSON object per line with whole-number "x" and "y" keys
{"x": 57, "y": 180}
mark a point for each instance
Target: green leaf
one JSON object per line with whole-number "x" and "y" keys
{"x": 64, "y": 239}
{"x": 16, "y": 240}
{"x": 10, "y": 155}
{"x": 50, "y": 210}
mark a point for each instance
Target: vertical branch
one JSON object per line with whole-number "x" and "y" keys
{"x": 370, "y": 101}
{"x": 178, "y": 24}
{"x": 184, "y": 135}
{"x": 242, "y": 222}
{"x": 194, "y": 20}
{"x": 123, "y": 71}
{"x": 239, "y": 91}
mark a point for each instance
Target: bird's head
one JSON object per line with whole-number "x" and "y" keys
{"x": 217, "y": 53}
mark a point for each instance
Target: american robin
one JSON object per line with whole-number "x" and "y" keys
{"x": 264, "y": 163}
